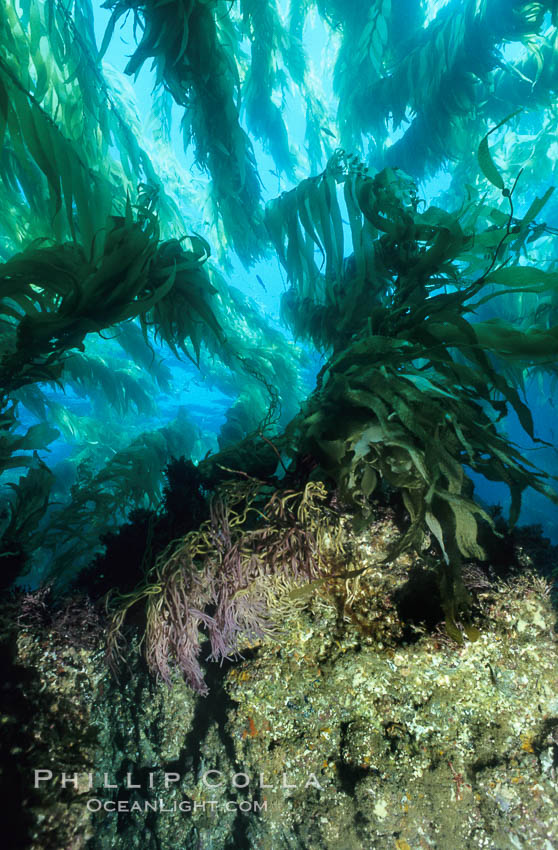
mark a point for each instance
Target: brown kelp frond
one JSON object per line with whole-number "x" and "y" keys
{"x": 227, "y": 577}
{"x": 26, "y": 505}
{"x": 185, "y": 312}
{"x": 191, "y": 45}
{"x": 437, "y": 78}
{"x": 131, "y": 478}
{"x": 444, "y": 79}
{"x": 13, "y": 441}
{"x": 61, "y": 126}
{"x": 21, "y": 517}
{"x": 405, "y": 274}
{"x": 414, "y": 429}
{"x": 132, "y": 341}
{"x": 124, "y": 389}
{"x": 269, "y": 42}
{"x": 52, "y": 297}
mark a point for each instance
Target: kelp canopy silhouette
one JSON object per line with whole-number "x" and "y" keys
{"x": 93, "y": 222}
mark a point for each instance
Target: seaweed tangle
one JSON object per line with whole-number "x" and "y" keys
{"x": 229, "y": 579}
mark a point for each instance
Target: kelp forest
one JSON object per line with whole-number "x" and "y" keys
{"x": 273, "y": 272}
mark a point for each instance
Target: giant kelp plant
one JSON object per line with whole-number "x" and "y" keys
{"x": 427, "y": 319}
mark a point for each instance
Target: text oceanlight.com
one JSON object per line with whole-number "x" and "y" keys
{"x": 94, "y": 804}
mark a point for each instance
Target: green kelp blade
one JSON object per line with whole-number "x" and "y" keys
{"x": 536, "y": 207}
{"x": 38, "y": 436}
{"x": 525, "y": 279}
{"x": 303, "y": 593}
{"x": 487, "y": 164}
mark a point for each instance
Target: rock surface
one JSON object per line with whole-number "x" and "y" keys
{"x": 350, "y": 728}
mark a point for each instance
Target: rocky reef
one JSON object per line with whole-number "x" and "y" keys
{"x": 358, "y": 723}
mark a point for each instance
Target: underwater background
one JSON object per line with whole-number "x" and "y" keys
{"x": 197, "y": 147}
{"x": 278, "y": 338}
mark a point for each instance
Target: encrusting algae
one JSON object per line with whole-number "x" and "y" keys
{"x": 337, "y": 730}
